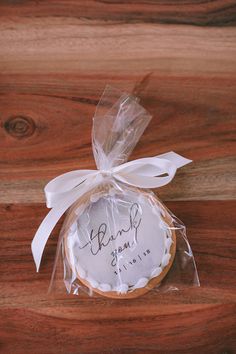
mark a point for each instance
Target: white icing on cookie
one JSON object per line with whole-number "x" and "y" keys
{"x": 122, "y": 288}
{"x": 119, "y": 242}
{"x": 157, "y": 271}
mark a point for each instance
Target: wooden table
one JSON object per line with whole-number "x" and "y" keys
{"x": 55, "y": 59}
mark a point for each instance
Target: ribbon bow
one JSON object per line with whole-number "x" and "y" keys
{"x": 62, "y": 191}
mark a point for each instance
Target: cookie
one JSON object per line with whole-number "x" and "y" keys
{"x": 119, "y": 244}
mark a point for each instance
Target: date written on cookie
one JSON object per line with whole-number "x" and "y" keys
{"x": 138, "y": 258}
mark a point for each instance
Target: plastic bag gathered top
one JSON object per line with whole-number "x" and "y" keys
{"x": 118, "y": 239}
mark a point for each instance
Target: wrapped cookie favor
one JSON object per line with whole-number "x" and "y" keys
{"x": 118, "y": 239}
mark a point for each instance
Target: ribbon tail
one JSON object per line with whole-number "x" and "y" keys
{"x": 42, "y": 235}
{"x": 176, "y": 159}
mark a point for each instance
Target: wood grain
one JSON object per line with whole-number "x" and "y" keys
{"x": 30, "y": 121}
{"x": 53, "y": 75}
{"x": 214, "y": 248}
{"x": 179, "y": 57}
{"x": 192, "y": 12}
{"x": 74, "y": 324}
{"x": 59, "y": 334}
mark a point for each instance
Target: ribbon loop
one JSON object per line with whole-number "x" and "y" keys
{"x": 58, "y": 187}
{"x": 62, "y": 191}
{"x": 146, "y": 172}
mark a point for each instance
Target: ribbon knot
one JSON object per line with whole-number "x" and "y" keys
{"x": 64, "y": 190}
{"x": 106, "y": 173}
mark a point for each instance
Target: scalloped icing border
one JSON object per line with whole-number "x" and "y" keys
{"x": 121, "y": 288}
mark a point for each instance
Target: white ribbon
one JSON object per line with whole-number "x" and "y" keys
{"x": 64, "y": 190}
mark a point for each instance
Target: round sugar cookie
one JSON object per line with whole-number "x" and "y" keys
{"x": 119, "y": 244}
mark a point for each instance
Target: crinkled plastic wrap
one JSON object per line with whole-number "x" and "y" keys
{"x": 117, "y": 240}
